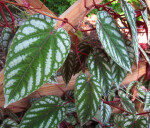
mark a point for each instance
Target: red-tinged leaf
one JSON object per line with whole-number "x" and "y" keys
{"x": 147, "y": 76}
{"x": 67, "y": 68}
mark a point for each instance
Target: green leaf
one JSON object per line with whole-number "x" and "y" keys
{"x": 145, "y": 18}
{"x": 79, "y": 34}
{"x": 71, "y": 119}
{"x": 99, "y": 67}
{"x": 47, "y": 112}
{"x": 130, "y": 15}
{"x": 112, "y": 40}
{"x": 105, "y": 113}
{"x": 6, "y": 39}
{"x": 141, "y": 92}
{"x": 84, "y": 48}
{"x": 67, "y": 68}
{"x": 119, "y": 119}
{"x": 118, "y": 73}
{"x": 53, "y": 79}
{"x": 126, "y": 102}
{"x": 131, "y": 84}
{"x": 36, "y": 53}
{"x": 9, "y": 123}
{"x": 87, "y": 97}
{"x": 147, "y": 101}
{"x": 144, "y": 54}
{"x": 133, "y": 121}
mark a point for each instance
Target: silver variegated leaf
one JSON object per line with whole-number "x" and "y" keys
{"x": 67, "y": 68}
{"x": 71, "y": 119}
{"x": 47, "y": 112}
{"x": 130, "y": 15}
{"x": 119, "y": 120}
{"x": 145, "y": 17}
{"x": 118, "y": 73}
{"x": 87, "y": 97}
{"x": 126, "y": 102}
{"x": 141, "y": 92}
{"x": 147, "y": 101}
{"x": 133, "y": 121}
{"x": 131, "y": 84}
{"x": 37, "y": 51}
{"x": 99, "y": 66}
{"x": 144, "y": 54}
{"x": 9, "y": 123}
{"x": 6, "y": 39}
{"x": 53, "y": 79}
{"x": 112, "y": 40}
{"x": 105, "y": 113}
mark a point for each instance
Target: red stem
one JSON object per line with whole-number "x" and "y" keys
{"x": 65, "y": 93}
{"x": 12, "y": 17}
{"x": 106, "y": 102}
{"x": 83, "y": 53}
{"x": 1, "y": 9}
{"x": 78, "y": 54}
{"x": 99, "y": 122}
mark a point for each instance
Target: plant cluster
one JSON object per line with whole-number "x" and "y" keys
{"x": 37, "y": 50}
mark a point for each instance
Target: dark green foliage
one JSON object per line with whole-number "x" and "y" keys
{"x": 58, "y": 6}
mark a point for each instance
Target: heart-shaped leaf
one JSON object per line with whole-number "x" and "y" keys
{"x": 130, "y": 15}
{"x": 99, "y": 67}
{"x": 87, "y": 97}
{"x": 47, "y": 112}
{"x": 126, "y": 102}
{"x": 67, "y": 68}
{"x": 112, "y": 40}
{"x": 36, "y": 53}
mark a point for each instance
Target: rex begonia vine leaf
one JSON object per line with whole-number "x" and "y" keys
{"x": 118, "y": 73}
{"x": 145, "y": 18}
{"x": 9, "y": 123}
{"x": 144, "y": 54}
{"x": 67, "y": 68}
{"x": 126, "y": 102}
{"x": 131, "y": 84}
{"x": 105, "y": 113}
{"x": 119, "y": 120}
{"x": 147, "y": 101}
{"x": 6, "y": 39}
{"x": 133, "y": 121}
{"x": 87, "y": 97}
{"x": 98, "y": 64}
{"x": 130, "y": 15}
{"x": 37, "y": 51}
{"x": 47, "y": 112}
{"x": 112, "y": 40}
